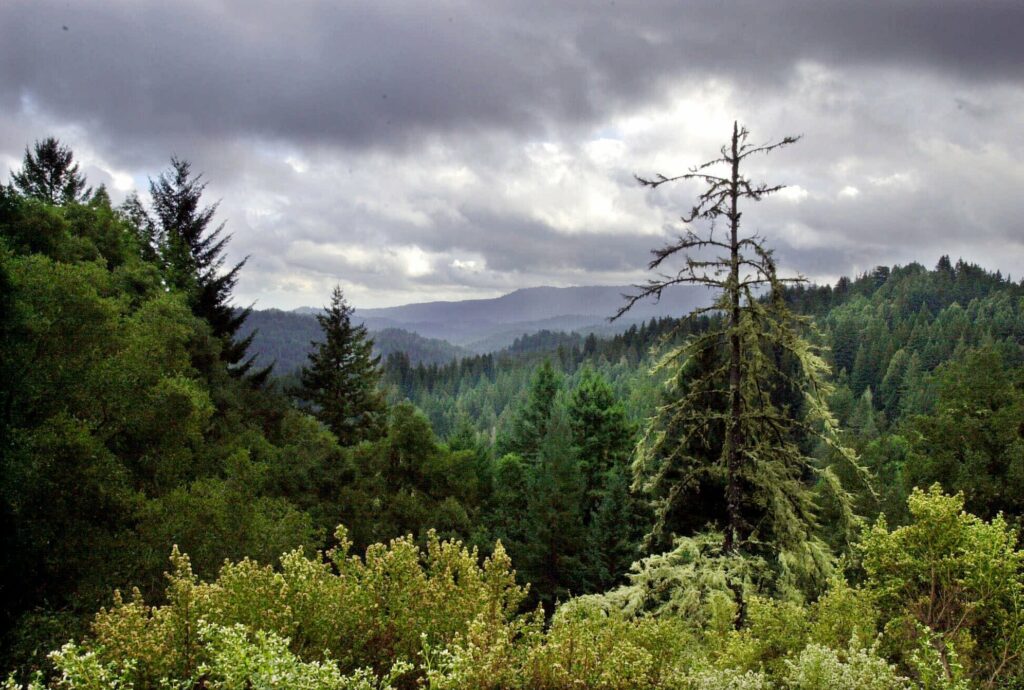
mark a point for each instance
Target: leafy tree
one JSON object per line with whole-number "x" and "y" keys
{"x": 103, "y": 410}
{"x": 341, "y": 381}
{"x": 114, "y": 446}
{"x": 750, "y": 357}
{"x": 410, "y": 483}
{"x": 49, "y": 173}
{"x": 218, "y": 518}
{"x": 973, "y": 441}
{"x": 193, "y": 256}
{"x": 952, "y": 584}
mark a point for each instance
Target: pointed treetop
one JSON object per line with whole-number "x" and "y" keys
{"x": 50, "y": 174}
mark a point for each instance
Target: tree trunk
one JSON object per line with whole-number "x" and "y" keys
{"x": 733, "y": 531}
{"x": 735, "y": 433}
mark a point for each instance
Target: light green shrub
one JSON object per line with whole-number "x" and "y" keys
{"x": 243, "y": 660}
{"x": 332, "y": 616}
{"x": 954, "y": 580}
{"x": 726, "y": 679}
{"x": 818, "y": 668}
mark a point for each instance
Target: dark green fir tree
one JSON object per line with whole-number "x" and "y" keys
{"x": 602, "y": 434}
{"x": 557, "y": 559}
{"x": 530, "y": 425}
{"x": 193, "y": 257}
{"x": 341, "y": 381}
{"x": 49, "y": 173}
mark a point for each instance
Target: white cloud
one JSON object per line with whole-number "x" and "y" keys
{"x": 416, "y": 262}
{"x": 793, "y": 193}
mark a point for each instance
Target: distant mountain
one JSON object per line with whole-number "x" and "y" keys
{"x": 541, "y": 303}
{"x": 426, "y": 332}
{"x": 485, "y": 325}
{"x": 284, "y": 337}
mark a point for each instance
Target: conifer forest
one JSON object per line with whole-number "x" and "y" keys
{"x": 796, "y": 485}
{"x": 785, "y": 482}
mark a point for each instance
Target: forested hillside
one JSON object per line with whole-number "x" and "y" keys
{"x": 285, "y": 339}
{"x": 560, "y": 514}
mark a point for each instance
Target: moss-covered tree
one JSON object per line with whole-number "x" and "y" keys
{"x": 736, "y": 382}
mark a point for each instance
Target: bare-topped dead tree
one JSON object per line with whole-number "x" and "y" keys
{"x": 745, "y": 394}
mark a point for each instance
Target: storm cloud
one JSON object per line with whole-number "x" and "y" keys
{"x": 414, "y": 151}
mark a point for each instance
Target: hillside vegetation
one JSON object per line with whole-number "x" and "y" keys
{"x": 173, "y": 519}
{"x": 285, "y": 339}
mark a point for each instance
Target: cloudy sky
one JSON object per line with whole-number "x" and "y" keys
{"x": 413, "y": 150}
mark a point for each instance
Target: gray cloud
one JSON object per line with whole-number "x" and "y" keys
{"x": 387, "y": 73}
{"x": 424, "y": 150}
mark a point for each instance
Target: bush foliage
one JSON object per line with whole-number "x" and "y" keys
{"x": 939, "y": 607}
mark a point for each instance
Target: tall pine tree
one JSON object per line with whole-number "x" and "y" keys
{"x": 50, "y": 174}
{"x": 530, "y": 425}
{"x": 602, "y": 434}
{"x": 192, "y": 253}
{"x": 603, "y": 439}
{"x": 557, "y": 559}
{"x": 341, "y": 381}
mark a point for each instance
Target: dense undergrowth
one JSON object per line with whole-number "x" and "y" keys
{"x": 934, "y": 604}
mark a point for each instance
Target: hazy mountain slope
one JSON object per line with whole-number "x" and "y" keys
{"x": 285, "y": 337}
{"x": 426, "y": 331}
{"x": 541, "y": 303}
{"x": 485, "y": 325}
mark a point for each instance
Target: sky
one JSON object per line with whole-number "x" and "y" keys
{"x": 412, "y": 151}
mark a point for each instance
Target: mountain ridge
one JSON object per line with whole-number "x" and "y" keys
{"x": 538, "y": 304}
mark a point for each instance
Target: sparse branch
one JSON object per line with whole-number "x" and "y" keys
{"x": 660, "y": 179}
{"x": 767, "y": 148}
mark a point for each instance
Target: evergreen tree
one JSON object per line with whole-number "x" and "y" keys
{"x": 341, "y": 381}
{"x": 557, "y": 554}
{"x": 508, "y": 517}
{"x": 891, "y": 390}
{"x": 616, "y": 529}
{"x": 135, "y": 215}
{"x": 973, "y": 440}
{"x": 464, "y": 438}
{"x": 863, "y": 419}
{"x": 531, "y": 423}
{"x": 50, "y": 174}
{"x": 770, "y": 499}
{"x": 602, "y": 435}
{"x": 193, "y": 257}
{"x": 915, "y": 393}
{"x": 872, "y": 356}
